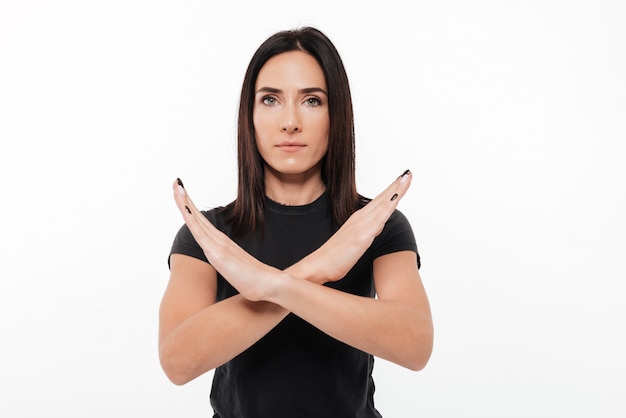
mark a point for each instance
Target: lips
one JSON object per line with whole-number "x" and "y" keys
{"x": 290, "y": 146}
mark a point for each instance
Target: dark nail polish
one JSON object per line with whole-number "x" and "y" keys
{"x": 180, "y": 182}
{"x": 394, "y": 197}
{"x": 405, "y": 173}
{"x": 189, "y": 210}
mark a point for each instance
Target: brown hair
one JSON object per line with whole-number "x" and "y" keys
{"x": 246, "y": 213}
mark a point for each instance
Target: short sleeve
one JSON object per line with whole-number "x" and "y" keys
{"x": 185, "y": 243}
{"x": 397, "y": 235}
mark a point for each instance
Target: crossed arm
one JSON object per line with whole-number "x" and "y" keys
{"x": 197, "y": 334}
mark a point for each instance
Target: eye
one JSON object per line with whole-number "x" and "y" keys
{"x": 268, "y": 100}
{"x": 313, "y": 101}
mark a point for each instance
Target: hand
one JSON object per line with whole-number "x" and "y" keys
{"x": 333, "y": 260}
{"x": 255, "y": 280}
{"x": 244, "y": 272}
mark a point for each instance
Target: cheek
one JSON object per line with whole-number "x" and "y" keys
{"x": 262, "y": 122}
{"x": 255, "y": 120}
{"x": 259, "y": 127}
{"x": 326, "y": 133}
{"x": 325, "y": 148}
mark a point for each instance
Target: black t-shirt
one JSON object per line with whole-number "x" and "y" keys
{"x": 297, "y": 370}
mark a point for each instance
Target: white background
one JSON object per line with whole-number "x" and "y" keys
{"x": 512, "y": 116}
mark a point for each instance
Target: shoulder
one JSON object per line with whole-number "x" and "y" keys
{"x": 184, "y": 241}
{"x": 397, "y": 235}
{"x": 398, "y": 218}
{"x": 398, "y": 225}
{"x": 215, "y": 216}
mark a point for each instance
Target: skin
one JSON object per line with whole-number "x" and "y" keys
{"x": 197, "y": 334}
{"x": 291, "y": 124}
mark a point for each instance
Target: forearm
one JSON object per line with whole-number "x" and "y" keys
{"x": 215, "y": 335}
{"x": 392, "y": 330}
{"x": 199, "y": 338}
{"x": 219, "y": 332}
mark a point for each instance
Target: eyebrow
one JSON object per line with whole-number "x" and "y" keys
{"x": 304, "y": 91}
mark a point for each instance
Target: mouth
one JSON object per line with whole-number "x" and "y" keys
{"x": 290, "y": 146}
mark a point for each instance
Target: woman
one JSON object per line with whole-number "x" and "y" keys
{"x": 290, "y": 290}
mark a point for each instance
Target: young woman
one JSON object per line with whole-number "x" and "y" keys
{"x": 291, "y": 290}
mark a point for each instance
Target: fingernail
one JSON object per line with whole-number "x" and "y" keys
{"x": 404, "y": 176}
{"x": 181, "y": 188}
{"x": 394, "y": 197}
{"x": 187, "y": 207}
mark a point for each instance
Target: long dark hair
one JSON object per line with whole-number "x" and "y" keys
{"x": 246, "y": 213}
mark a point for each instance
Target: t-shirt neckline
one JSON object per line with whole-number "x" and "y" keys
{"x": 315, "y": 205}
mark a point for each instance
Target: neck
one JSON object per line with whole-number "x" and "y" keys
{"x": 294, "y": 190}
{"x": 293, "y": 200}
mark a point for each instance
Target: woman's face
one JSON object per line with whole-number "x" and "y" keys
{"x": 290, "y": 115}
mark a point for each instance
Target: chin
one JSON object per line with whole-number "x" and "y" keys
{"x": 293, "y": 169}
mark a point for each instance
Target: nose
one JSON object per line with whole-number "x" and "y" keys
{"x": 290, "y": 121}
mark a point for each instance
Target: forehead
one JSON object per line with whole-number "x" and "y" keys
{"x": 295, "y": 69}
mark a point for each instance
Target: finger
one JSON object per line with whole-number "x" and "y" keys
{"x": 183, "y": 200}
{"x": 195, "y": 220}
{"x": 401, "y": 185}
{"x": 394, "y": 192}
{"x": 228, "y": 258}
{"x": 380, "y": 209}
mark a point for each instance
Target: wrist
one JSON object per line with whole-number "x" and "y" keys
{"x": 279, "y": 284}
{"x": 303, "y": 271}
